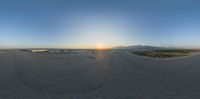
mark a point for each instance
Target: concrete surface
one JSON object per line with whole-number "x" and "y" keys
{"x": 116, "y": 75}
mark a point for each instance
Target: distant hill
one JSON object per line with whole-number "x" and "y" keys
{"x": 139, "y": 47}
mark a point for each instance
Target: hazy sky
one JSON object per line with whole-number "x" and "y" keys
{"x": 89, "y": 23}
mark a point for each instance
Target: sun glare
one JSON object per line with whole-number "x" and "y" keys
{"x": 100, "y": 47}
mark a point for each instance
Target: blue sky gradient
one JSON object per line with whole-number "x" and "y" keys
{"x": 89, "y": 23}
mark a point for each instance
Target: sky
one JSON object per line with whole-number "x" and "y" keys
{"x": 93, "y": 23}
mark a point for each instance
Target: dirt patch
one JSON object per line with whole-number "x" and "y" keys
{"x": 166, "y": 53}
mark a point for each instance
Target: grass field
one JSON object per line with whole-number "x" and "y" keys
{"x": 166, "y": 53}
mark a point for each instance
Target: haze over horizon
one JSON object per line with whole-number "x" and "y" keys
{"x": 93, "y": 23}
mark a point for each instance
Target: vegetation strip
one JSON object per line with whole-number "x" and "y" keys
{"x": 165, "y": 53}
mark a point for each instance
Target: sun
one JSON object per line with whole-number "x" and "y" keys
{"x": 99, "y": 46}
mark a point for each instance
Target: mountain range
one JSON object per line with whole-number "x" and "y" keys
{"x": 141, "y": 47}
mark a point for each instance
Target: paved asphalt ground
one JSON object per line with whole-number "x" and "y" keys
{"x": 116, "y": 75}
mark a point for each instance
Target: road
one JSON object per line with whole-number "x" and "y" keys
{"x": 117, "y": 75}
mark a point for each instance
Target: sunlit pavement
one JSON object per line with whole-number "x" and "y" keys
{"x": 112, "y": 75}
